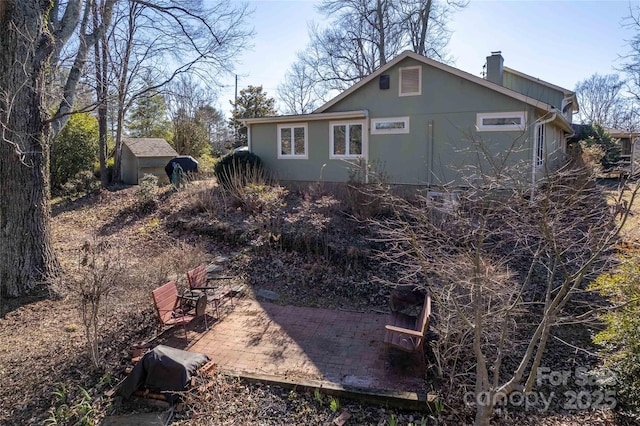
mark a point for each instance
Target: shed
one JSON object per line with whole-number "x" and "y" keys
{"x": 144, "y": 155}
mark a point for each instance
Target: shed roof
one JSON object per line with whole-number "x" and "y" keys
{"x": 149, "y": 147}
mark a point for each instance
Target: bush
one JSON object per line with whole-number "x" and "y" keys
{"x": 621, "y": 337}
{"x": 237, "y": 169}
{"x": 596, "y": 135}
{"x": 74, "y": 149}
{"x": 147, "y": 190}
{"x": 96, "y": 169}
{"x": 81, "y": 184}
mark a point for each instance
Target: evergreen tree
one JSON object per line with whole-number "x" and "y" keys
{"x": 148, "y": 118}
{"x": 252, "y": 102}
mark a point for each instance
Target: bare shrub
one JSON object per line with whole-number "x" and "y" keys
{"x": 209, "y": 198}
{"x": 365, "y": 185}
{"x": 306, "y": 230}
{"x": 90, "y": 283}
{"x": 502, "y": 265}
{"x": 239, "y": 179}
{"x": 172, "y": 263}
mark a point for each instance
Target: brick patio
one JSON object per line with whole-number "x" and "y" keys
{"x": 335, "y": 350}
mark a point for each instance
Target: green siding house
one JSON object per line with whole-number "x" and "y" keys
{"x": 421, "y": 122}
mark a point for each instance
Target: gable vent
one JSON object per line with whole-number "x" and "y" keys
{"x": 410, "y": 81}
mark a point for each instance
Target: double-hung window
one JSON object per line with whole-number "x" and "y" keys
{"x": 292, "y": 141}
{"x": 347, "y": 140}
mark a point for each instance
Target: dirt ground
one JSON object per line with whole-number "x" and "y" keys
{"x": 47, "y": 376}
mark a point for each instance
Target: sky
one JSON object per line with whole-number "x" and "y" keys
{"x": 562, "y": 42}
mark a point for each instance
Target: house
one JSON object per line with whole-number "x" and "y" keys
{"x": 144, "y": 155}
{"x": 422, "y": 122}
{"x": 629, "y": 152}
{"x": 625, "y": 140}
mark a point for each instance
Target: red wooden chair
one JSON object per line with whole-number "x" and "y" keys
{"x": 170, "y": 309}
{"x": 197, "y": 277}
{"x": 217, "y": 295}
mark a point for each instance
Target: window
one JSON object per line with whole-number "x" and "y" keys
{"x": 292, "y": 141}
{"x": 540, "y": 134}
{"x": 387, "y": 126}
{"x": 347, "y": 140}
{"x": 500, "y": 121}
{"x": 410, "y": 81}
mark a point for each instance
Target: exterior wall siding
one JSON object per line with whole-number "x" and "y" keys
{"x": 442, "y": 147}
{"x": 532, "y": 89}
{"x": 318, "y": 166}
{"x": 442, "y": 144}
{"x": 129, "y": 167}
{"x": 133, "y": 168}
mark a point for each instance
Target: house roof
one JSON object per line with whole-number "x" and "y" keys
{"x": 149, "y": 147}
{"x": 617, "y": 133}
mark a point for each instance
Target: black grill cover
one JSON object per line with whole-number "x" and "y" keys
{"x": 164, "y": 369}
{"x": 187, "y": 162}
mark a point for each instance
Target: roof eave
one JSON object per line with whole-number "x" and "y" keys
{"x": 306, "y": 117}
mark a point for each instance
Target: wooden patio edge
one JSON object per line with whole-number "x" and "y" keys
{"x": 405, "y": 400}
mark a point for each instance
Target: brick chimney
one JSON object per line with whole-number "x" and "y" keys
{"x": 495, "y": 67}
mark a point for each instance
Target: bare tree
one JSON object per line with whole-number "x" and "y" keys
{"x": 195, "y": 121}
{"x": 299, "y": 92}
{"x": 425, "y": 24}
{"x": 603, "y": 102}
{"x": 32, "y": 34}
{"x": 101, "y": 52}
{"x": 364, "y": 35}
{"x": 158, "y": 41}
{"x": 502, "y": 267}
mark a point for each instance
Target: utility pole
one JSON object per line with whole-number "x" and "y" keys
{"x": 235, "y": 109}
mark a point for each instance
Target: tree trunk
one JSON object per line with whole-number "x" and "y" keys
{"x": 26, "y": 255}
{"x": 100, "y": 52}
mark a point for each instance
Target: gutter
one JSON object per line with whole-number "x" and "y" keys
{"x": 306, "y": 117}
{"x": 534, "y": 151}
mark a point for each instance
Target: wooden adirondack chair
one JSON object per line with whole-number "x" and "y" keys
{"x": 408, "y": 333}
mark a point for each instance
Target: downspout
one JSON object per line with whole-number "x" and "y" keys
{"x": 430, "y": 153}
{"x": 365, "y": 146}
{"x": 534, "y": 150}
{"x": 249, "y": 137}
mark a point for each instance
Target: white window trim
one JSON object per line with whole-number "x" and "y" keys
{"x": 501, "y": 128}
{"x": 405, "y": 120}
{"x": 540, "y": 148}
{"x": 419, "y": 92}
{"x": 292, "y": 126}
{"x": 363, "y": 123}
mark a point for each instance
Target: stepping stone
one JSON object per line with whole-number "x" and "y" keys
{"x": 268, "y": 294}
{"x": 214, "y": 269}
{"x": 220, "y": 259}
{"x": 147, "y": 419}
